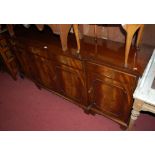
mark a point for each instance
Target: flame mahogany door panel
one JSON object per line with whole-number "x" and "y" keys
{"x": 43, "y": 67}
{"x": 110, "y": 92}
{"x": 45, "y": 72}
{"x": 71, "y": 83}
{"x": 24, "y": 60}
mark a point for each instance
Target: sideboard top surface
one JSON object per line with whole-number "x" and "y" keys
{"x": 100, "y": 51}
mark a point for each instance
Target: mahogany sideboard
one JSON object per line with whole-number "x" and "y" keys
{"x": 94, "y": 79}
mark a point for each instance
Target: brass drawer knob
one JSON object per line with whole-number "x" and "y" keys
{"x": 90, "y": 90}
{"x": 45, "y": 47}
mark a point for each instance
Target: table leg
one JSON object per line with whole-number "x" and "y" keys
{"x": 137, "y": 107}
{"x": 134, "y": 116}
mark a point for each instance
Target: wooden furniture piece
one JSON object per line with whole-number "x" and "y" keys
{"x": 95, "y": 79}
{"x": 130, "y": 30}
{"x": 7, "y": 56}
{"x": 145, "y": 93}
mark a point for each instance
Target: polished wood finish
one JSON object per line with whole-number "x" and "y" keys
{"x": 95, "y": 79}
{"x": 130, "y": 32}
{"x": 108, "y": 89}
{"x": 63, "y": 32}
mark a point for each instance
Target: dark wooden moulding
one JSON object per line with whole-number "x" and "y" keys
{"x": 95, "y": 79}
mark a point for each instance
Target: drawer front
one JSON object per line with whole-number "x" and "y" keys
{"x": 71, "y": 62}
{"x": 33, "y": 48}
{"x": 111, "y": 73}
{"x": 38, "y": 51}
{"x": 42, "y": 51}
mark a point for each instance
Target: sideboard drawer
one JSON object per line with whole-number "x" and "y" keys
{"x": 111, "y": 73}
{"x": 40, "y": 51}
{"x": 72, "y": 62}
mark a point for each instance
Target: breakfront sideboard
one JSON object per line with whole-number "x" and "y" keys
{"x": 94, "y": 78}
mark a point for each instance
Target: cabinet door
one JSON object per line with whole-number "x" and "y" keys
{"x": 71, "y": 83}
{"x": 24, "y": 60}
{"x": 44, "y": 72}
{"x": 9, "y": 60}
{"x": 107, "y": 96}
{"x": 110, "y": 94}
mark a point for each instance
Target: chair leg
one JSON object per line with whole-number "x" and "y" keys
{"x": 75, "y": 27}
{"x": 127, "y": 46}
{"x": 130, "y": 33}
{"x": 139, "y": 37}
{"x": 64, "y": 30}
